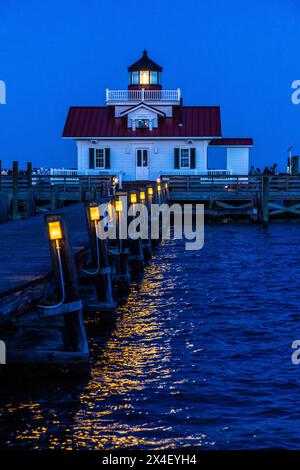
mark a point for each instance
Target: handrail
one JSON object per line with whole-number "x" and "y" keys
{"x": 232, "y": 183}
{"x": 143, "y": 95}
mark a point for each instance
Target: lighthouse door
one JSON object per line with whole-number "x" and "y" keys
{"x": 142, "y": 164}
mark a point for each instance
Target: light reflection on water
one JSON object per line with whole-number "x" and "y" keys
{"x": 199, "y": 356}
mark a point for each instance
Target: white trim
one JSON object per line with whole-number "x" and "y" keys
{"x": 142, "y": 105}
{"x": 145, "y": 138}
{"x": 231, "y": 146}
{"x": 189, "y": 157}
{"x": 95, "y": 158}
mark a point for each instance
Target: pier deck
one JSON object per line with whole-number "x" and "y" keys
{"x": 25, "y": 261}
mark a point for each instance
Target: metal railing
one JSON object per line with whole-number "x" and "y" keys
{"x": 142, "y": 95}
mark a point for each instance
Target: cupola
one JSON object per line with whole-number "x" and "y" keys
{"x": 145, "y": 73}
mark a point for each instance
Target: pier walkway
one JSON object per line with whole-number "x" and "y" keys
{"x": 25, "y": 262}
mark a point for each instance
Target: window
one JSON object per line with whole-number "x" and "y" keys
{"x": 184, "y": 161}
{"x": 100, "y": 163}
{"x": 144, "y": 77}
{"x": 142, "y": 123}
{"x": 134, "y": 78}
{"x": 153, "y": 78}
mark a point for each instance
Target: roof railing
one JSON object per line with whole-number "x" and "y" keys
{"x": 113, "y": 96}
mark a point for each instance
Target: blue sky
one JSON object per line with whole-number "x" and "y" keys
{"x": 240, "y": 55}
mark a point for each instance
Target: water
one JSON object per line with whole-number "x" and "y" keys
{"x": 200, "y": 356}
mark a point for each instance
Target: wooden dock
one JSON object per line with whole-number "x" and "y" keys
{"x": 24, "y": 193}
{"x": 259, "y": 198}
{"x": 45, "y": 293}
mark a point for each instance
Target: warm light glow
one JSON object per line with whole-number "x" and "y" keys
{"x": 55, "y": 232}
{"x": 110, "y": 210}
{"x": 150, "y": 191}
{"x": 115, "y": 180}
{"x": 142, "y": 195}
{"x": 119, "y": 206}
{"x": 133, "y": 198}
{"x": 158, "y": 187}
{"x": 166, "y": 185}
{"x": 94, "y": 213}
{"x": 144, "y": 77}
{"x": 158, "y": 180}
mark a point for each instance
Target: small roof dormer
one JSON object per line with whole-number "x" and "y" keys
{"x": 145, "y": 73}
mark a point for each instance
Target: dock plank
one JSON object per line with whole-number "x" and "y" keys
{"x": 24, "y": 254}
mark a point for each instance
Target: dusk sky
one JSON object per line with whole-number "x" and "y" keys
{"x": 242, "y": 56}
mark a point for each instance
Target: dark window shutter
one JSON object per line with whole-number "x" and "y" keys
{"x": 176, "y": 158}
{"x": 193, "y": 158}
{"x": 107, "y": 158}
{"x": 92, "y": 159}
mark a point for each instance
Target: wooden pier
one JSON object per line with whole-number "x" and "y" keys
{"x": 54, "y": 270}
{"x": 24, "y": 193}
{"x": 257, "y": 197}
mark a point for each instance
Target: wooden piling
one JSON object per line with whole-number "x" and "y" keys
{"x": 99, "y": 264}
{"x": 75, "y": 334}
{"x": 15, "y": 188}
{"x": 136, "y": 256}
{"x": 265, "y": 199}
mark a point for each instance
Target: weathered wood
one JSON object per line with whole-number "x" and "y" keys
{"x": 265, "y": 200}
{"x": 99, "y": 263}
{"x": 75, "y": 334}
{"x": 15, "y": 188}
{"x": 29, "y": 175}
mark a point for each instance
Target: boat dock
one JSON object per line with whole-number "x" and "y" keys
{"x": 259, "y": 198}
{"x": 55, "y": 270}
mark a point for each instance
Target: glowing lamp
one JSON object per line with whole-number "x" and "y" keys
{"x": 150, "y": 191}
{"x": 158, "y": 180}
{"x": 166, "y": 185}
{"x": 144, "y": 77}
{"x": 142, "y": 195}
{"x": 55, "y": 232}
{"x": 158, "y": 187}
{"x": 133, "y": 198}
{"x": 119, "y": 206}
{"x": 110, "y": 210}
{"x": 94, "y": 213}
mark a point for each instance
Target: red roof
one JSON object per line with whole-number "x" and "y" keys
{"x": 232, "y": 142}
{"x": 197, "y": 121}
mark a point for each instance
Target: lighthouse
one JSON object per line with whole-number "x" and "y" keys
{"x": 146, "y": 131}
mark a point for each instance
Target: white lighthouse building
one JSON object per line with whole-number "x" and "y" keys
{"x": 146, "y": 131}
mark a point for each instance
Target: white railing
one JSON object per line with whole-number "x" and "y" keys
{"x": 74, "y": 172}
{"x": 182, "y": 172}
{"x": 142, "y": 95}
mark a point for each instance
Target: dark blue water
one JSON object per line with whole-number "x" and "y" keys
{"x": 200, "y": 356}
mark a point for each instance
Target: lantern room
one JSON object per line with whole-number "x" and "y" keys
{"x": 145, "y": 73}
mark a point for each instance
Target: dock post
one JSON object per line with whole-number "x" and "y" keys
{"x": 122, "y": 265}
{"x": 265, "y": 200}
{"x": 100, "y": 263}
{"x": 54, "y": 197}
{"x": 136, "y": 256}
{"x": 147, "y": 247}
{"x": 65, "y": 269}
{"x": 15, "y": 196}
{"x": 151, "y": 200}
{"x": 30, "y": 196}
{"x": 254, "y": 209}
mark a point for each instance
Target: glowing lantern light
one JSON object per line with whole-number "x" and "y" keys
{"x": 94, "y": 213}
{"x": 133, "y": 198}
{"x": 55, "y": 232}
{"x": 119, "y": 206}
